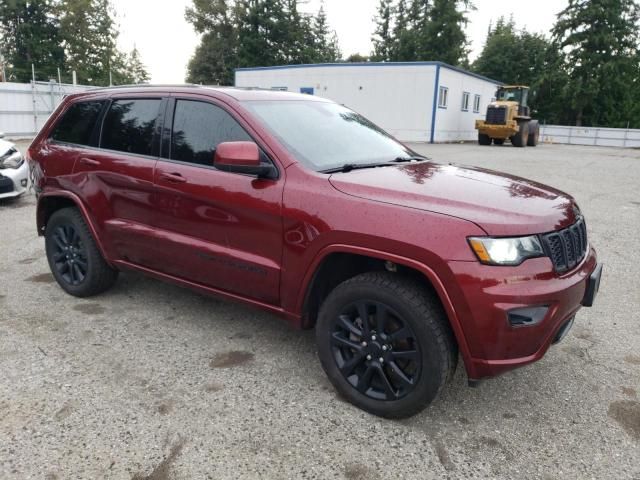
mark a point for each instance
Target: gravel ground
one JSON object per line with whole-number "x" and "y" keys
{"x": 150, "y": 381}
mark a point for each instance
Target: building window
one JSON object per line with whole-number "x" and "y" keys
{"x": 443, "y": 97}
{"x": 465, "y": 101}
{"x": 476, "y": 104}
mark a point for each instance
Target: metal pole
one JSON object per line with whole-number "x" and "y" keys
{"x": 4, "y": 74}
{"x": 110, "y": 79}
{"x": 74, "y": 77}
{"x": 59, "y": 77}
{"x": 626, "y": 135}
{"x": 53, "y": 102}
{"x": 33, "y": 99}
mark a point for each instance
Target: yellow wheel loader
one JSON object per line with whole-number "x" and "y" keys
{"x": 508, "y": 117}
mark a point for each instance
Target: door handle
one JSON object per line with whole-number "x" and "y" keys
{"x": 173, "y": 177}
{"x": 89, "y": 162}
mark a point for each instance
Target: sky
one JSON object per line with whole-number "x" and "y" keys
{"x": 166, "y": 41}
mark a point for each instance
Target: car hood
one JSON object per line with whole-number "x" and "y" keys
{"x": 500, "y": 204}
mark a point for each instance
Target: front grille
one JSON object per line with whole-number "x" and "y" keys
{"x": 6, "y": 185}
{"x": 496, "y": 115}
{"x": 567, "y": 247}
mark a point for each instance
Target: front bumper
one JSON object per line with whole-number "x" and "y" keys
{"x": 14, "y": 181}
{"x": 487, "y": 295}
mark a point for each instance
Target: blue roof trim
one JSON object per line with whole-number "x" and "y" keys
{"x": 372, "y": 64}
{"x": 434, "y": 109}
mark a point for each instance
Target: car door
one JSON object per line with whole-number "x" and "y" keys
{"x": 220, "y": 229}
{"x": 117, "y": 176}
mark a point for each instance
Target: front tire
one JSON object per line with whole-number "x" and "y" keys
{"x": 385, "y": 343}
{"x": 484, "y": 139}
{"x": 534, "y": 133}
{"x": 520, "y": 138}
{"x": 74, "y": 258}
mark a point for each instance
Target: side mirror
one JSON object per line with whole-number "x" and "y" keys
{"x": 242, "y": 157}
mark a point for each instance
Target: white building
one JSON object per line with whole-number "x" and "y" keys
{"x": 414, "y": 101}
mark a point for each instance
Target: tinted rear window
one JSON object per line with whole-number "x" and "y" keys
{"x": 128, "y": 125}
{"x": 77, "y": 123}
{"x": 198, "y": 128}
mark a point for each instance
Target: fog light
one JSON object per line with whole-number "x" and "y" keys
{"x": 24, "y": 182}
{"x": 527, "y": 316}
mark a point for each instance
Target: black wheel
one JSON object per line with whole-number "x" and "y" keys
{"x": 385, "y": 344}
{"x": 74, "y": 258}
{"x": 534, "y": 133}
{"x": 498, "y": 141}
{"x": 484, "y": 139}
{"x": 520, "y": 138}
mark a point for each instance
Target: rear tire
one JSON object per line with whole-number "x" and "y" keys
{"x": 484, "y": 139}
{"x": 498, "y": 141}
{"x": 395, "y": 362}
{"x": 520, "y": 138}
{"x": 534, "y": 133}
{"x": 74, "y": 258}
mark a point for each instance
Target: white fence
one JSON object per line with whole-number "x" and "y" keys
{"x": 24, "y": 107}
{"x": 602, "y": 137}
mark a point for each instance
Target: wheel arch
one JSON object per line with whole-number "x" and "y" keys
{"x": 51, "y": 202}
{"x": 313, "y": 291}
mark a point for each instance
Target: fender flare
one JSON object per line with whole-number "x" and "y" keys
{"x": 427, "y": 271}
{"x": 83, "y": 211}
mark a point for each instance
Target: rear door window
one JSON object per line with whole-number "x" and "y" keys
{"x": 78, "y": 122}
{"x": 198, "y": 128}
{"x": 129, "y": 125}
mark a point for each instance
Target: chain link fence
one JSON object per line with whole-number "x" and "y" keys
{"x": 596, "y": 136}
{"x": 25, "y": 107}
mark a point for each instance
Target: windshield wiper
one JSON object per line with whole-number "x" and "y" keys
{"x": 410, "y": 158}
{"x": 347, "y": 167}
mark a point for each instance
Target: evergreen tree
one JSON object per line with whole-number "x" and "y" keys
{"x": 30, "y": 34}
{"x": 249, "y": 33}
{"x": 444, "y": 38}
{"x": 600, "y": 41}
{"x": 403, "y": 42}
{"x": 382, "y": 37}
{"x": 326, "y": 41}
{"x": 216, "y": 55}
{"x": 522, "y": 58}
{"x": 357, "y": 58}
{"x": 135, "y": 68}
{"x": 89, "y": 40}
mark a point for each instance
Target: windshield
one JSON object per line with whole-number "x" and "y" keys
{"x": 509, "y": 95}
{"x": 324, "y": 135}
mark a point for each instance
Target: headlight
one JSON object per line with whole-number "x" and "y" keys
{"x": 506, "y": 251}
{"x": 11, "y": 159}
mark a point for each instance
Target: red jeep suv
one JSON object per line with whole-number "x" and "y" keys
{"x": 305, "y": 208}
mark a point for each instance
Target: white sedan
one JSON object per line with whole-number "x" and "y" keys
{"x": 14, "y": 171}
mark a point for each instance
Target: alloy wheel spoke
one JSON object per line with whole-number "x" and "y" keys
{"x": 79, "y": 274}
{"x": 381, "y": 317}
{"x": 59, "y": 241}
{"x": 405, "y": 355}
{"x": 400, "y": 374}
{"x": 401, "y": 334}
{"x": 363, "y": 313}
{"x": 58, "y": 256}
{"x": 343, "y": 342}
{"x": 386, "y": 383}
{"x": 365, "y": 380}
{"x": 351, "y": 364}
{"x": 345, "y": 322}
